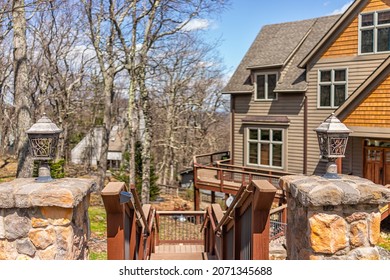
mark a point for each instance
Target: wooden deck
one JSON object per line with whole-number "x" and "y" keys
{"x": 180, "y": 252}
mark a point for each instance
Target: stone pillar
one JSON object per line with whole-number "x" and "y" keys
{"x": 333, "y": 219}
{"x": 44, "y": 221}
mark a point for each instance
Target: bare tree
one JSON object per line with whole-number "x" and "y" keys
{"x": 103, "y": 37}
{"x": 24, "y": 106}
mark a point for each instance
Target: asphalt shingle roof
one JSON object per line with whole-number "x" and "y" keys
{"x": 281, "y": 44}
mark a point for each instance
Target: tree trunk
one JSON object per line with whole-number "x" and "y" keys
{"x": 23, "y": 101}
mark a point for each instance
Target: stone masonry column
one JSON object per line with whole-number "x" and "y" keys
{"x": 333, "y": 219}
{"x": 44, "y": 221}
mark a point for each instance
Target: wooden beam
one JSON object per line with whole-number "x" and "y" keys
{"x": 115, "y": 221}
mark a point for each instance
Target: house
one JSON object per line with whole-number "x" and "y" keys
{"x": 296, "y": 74}
{"x": 88, "y": 150}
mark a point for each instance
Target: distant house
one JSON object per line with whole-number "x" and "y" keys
{"x": 88, "y": 150}
{"x": 296, "y": 74}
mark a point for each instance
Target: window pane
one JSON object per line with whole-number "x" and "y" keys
{"x": 325, "y": 96}
{"x": 339, "y": 76}
{"x": 253, "y": 155}
{"x": 271, "y": 86}
{"x": 277, "y": 135}
{"x": 368, "y": 20}
{"x": 253, "y": 134}
{"x": 384, "y": 17}
{"x": 264, "y": 154}
{"x": 383, "y": 39}
{"x": 367, "y": 41}
{"x": 265, "y": 135}
{"x": 339, "y": 95}
{"x": 260, "y": 94}
{"x": 325, "y": 76}
{"x": 277, "y": 155}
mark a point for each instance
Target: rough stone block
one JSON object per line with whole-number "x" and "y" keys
{"x": 48, "y": 254}
{"x": 367, "y": 253}
{"x": 357, "y": 216}
{"x": 25, "y": 247}
{"x": 373, "y": 194}
{"x": 325, "y": 195}
{"x": 328, "y": 233}
{"x": 16, "y": 226}
{"x": 7, "y": 250}
{"x": 374, "y": 228}
{"x": 57, "y": 215}
{"x": 359, "y": 234}
{"x": 42, "y": 238}
{"x": 64, "y": 236}
{"x": 39, "y": 222}
{"x": 7, "y": 199}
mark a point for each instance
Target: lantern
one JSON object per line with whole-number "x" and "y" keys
{"x": 43, "y": 139}
{"x": 332, "y": 139}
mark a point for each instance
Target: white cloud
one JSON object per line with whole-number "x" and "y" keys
{"x": 342, "y": 9}
{"x": 326, "y": 3}
{"x": 197, "y": 24}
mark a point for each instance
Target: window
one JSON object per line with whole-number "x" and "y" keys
{"x": 265, "y": 85}
{"x": 375, "y": 32}
{"x": 332, "y": 88}
{"x": 265, "y": 147}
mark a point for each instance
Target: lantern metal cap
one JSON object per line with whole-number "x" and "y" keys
{"x": 332, "y": 125}
{"x": 44, "y": 126}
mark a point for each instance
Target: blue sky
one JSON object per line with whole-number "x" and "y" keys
{"x": 238, "y": 26}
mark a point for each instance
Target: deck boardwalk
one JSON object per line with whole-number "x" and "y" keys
{"x": 180, "y": 252}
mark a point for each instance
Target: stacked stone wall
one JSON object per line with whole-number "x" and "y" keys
{"x": 44, "y": 221}
{"x": 333, "y": 219}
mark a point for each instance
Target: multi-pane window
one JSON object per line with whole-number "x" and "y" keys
{"x": 375, "y": 32}
{"x": 265, "y": 86}
{"x": 332, "y": 88}
{"x": 265, "y": 147}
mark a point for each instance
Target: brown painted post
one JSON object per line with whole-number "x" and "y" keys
{"x": 157, "y": 231}
{"x": 115, "y": 221}
{"x": 212, "y": 197}
{"x": 261, "y": 205}
{"x": 133, "y": 235}
{"x": 196, "y": 199}
{"x": 237, "y": 235}
{"x": 339, "y": 163}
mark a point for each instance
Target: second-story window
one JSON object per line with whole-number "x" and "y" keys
{"x": 265, "y": 86}
{"x": 375, "y": 32}
{"x": 332, "y": 88}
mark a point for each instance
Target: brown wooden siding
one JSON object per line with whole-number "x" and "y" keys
{"x": 374, "y": 111}
{"x": 347, "y": 43}
{"x": 375, "y": 5}
{"x": 288, "y": 104}
{"x": 358, "y": 71}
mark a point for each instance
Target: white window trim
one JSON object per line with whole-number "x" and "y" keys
{"x": 270, "y": 142}
{"x": 265, "y": 86}
{"x": 332, "y": 83}
{"x": 375, "y": 28}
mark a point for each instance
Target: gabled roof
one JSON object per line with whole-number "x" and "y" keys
{"x": 280, "y": 46}
{"x": 335, "y": 30}
{"x": 363, "y": 91}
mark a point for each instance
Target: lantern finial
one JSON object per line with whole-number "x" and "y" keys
{"x": 332, "y": 138}
{"x": 43, "y": 138}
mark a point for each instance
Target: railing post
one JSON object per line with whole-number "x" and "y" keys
{"x": 157, "y": 229}
{"x": 262, "y": 200}
{"x": 115, "y": 221}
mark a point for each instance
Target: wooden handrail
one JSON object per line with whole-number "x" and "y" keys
{"x": 138, "y": 207}
{"x": 256, "y": 197}
{"x": 209, "y": 155}
{"x": 233, "y": 171}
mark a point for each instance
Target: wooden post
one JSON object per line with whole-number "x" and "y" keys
{"x": 212, "y": 197}
{"x": 261, "y": 205}
{"x": 115, "y": 221}
{"x": 196, "y": 198}
{"x": 237, "y": 235}
{"x": 157, "y": 229}
{"x": 339, "y": 163}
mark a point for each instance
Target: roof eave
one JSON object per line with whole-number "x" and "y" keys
{"x": 259, "y": 67}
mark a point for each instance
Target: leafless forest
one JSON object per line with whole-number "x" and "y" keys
{"x": 140, "y": 64}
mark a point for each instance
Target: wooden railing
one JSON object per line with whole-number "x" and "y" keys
{"x": 179, "y": 227}
{"x": 130, "y": 226}
{"x": 243, "y": 231}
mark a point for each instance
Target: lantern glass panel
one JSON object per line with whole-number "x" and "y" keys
{"x": 43, "y": 146}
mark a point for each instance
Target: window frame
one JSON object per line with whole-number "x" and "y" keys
{"x": 271, "y": 142}
{"x": 332, "y": 85}
{"x": 375, "y": 27}
{"x": 265, "y": 74}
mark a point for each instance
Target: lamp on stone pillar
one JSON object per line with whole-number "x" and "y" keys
{"x": 43, "y": 139}
{"x": 332, "y": 138}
